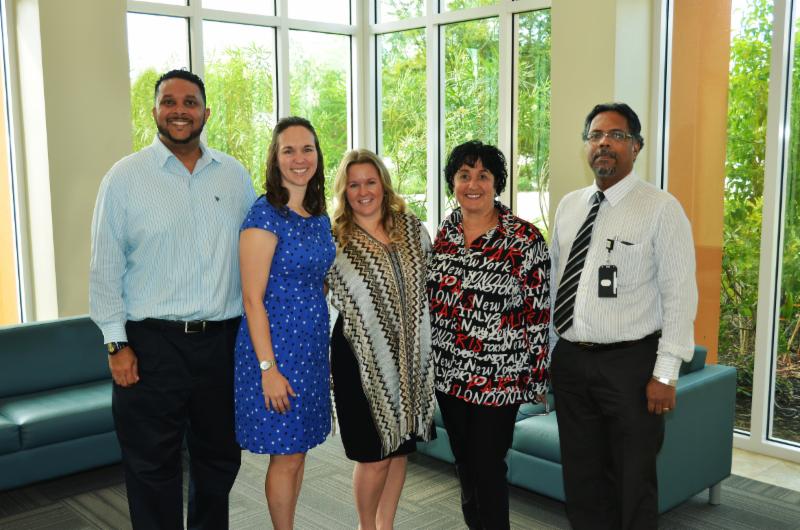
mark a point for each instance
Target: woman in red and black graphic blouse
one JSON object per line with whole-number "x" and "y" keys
{"x": 488, "y": 286}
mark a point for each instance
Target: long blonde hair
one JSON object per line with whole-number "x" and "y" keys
{"x": 343, "y": 219}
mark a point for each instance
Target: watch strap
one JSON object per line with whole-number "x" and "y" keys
{"x": 266, "y": 365}
{"x": 664, "y": 380}
{"x": 114, "y": 347}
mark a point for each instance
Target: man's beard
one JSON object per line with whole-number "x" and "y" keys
{"x": 604, "y": 171}
{"x": 193, "y": 135}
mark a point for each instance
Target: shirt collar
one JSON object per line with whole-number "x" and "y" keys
{"x": 163, "y": 154}
{"x": 505, "y": 217}
{"x": 615, "y": 193}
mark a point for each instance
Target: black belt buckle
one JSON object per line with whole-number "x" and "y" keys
{"x": 194, "y": 326}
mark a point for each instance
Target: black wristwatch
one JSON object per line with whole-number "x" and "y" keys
{"x": 114, "y": 347}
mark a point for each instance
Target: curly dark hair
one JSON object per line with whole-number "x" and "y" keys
{"x": 634, "y": 125}
{"x": 184, "y": 74}
{"x": 277, "y": 195}
{"x": 469, "y": 153}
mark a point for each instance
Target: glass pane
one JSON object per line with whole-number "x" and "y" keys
{"x": 240, "y": 74}
{"x": 403, "y": 141}
{"x": 786, "y": 400}
{"x": 149, "y": 58}
{"x": 533, "y": 127}
{"x": 337, "y": 11}
{"x": 319, "y": 69}
{"x": 471, "y": 65}
{"x": 389, "y": 10}
{"x": 256, "y": 7}
{"x": 453, "y": 5}
{"x": 751, "y": 35}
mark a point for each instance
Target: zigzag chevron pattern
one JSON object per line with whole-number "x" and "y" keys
{"x": 380, "y": 292}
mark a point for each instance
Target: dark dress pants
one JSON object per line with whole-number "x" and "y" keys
{"x": 609, "y": 441}
{"x": 185, "y": 390}
{"x": 480, "y": 436}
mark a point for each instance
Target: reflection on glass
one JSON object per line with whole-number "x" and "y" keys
{"x": 389, "y": 10}
{"x": 256, "y": 7}
{"x": 403, "y": 142}
{"x": 786, "y": 402}
{"x": 319, "y": 68}
{"x": 149, "y": 58}
{"x": 533, "y": 111}
{"x": 471, "y": 65}
{"x": 744, "y": 187}
{"x": 453, "y": 5}
{"x": 337, "y": 11}
{"x": 239, "y": 78}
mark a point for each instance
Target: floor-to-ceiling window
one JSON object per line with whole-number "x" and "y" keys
{"x": 748, "y": 83}
{"x": 259, "y": 61}
{"x": 447, "y": 72}
{"x": 760, "y": 301}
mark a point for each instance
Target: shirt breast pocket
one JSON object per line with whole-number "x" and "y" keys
{"x": 634, "y": 264}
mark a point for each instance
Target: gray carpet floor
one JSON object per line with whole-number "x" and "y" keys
{"x": 96, "y": 499}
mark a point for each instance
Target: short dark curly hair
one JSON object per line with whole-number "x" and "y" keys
{"x": 469, "y": 153}
{"x": 186, "y": 75}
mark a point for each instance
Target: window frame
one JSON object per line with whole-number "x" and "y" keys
{"x": 773, "y": 214}
{"x": 433, "y": 23}
{"x": 282, "y": 24}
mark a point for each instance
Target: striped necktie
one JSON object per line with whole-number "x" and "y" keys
{"x": 568, "y": 286}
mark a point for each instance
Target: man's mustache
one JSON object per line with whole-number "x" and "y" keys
{"x": 604, "y": 152}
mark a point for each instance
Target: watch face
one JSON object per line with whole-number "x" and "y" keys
{"x": 114, "y": 347}
{"x": 266, "y": 365}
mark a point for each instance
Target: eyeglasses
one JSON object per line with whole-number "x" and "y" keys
{"x": 615, "y": 135}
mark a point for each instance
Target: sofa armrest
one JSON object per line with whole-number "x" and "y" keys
{"x": 698, "y": 444}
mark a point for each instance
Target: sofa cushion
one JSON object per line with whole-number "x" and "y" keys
{"x": 42, "y": 355}
{"x": 527, "y": 410}
{"x": 538, "y": 436}
{"x": 62, "y": 414}
{"x": 9, "y": 436}
{"x": 437, "y": 417}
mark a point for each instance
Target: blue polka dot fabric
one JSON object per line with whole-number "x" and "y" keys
{"x": 298, "y": 318}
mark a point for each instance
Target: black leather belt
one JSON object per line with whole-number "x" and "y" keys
{"x": 599, "y": 346}
{"x": 188, "y": 326}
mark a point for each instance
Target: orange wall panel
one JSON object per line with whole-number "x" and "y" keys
{"x": 9, "y": 311}
{"x": 698, "y": 113}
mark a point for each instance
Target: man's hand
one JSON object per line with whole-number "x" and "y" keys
{"x": 660, "y": 397}
{"x": 124, "y": 367}
{"x": 276, "y": 390}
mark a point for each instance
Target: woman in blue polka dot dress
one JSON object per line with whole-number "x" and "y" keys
{"x": 282, "y": 375}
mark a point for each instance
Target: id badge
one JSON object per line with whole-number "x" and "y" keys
{"x": 607, "y": 281}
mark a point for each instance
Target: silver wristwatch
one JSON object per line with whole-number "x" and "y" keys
{"x": 266, "y": 365}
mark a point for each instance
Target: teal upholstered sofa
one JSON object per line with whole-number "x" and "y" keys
{"x": 696, "y": 454}
{"x": 55, "y": 401}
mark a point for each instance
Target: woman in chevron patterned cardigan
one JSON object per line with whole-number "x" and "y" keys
{"x": 381, "y": 344}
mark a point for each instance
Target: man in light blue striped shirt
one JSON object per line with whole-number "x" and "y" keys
{"x": 165, "y": 292}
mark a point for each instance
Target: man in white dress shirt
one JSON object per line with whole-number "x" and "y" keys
{"x": 625, "y": 298}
